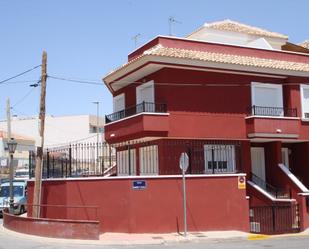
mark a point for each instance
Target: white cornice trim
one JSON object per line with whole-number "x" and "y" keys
{"x": 145, "y": 177}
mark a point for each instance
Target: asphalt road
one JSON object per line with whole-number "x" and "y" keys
{"x": 10, "y": 240}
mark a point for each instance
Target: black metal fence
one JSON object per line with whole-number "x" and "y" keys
{"x": 130, "y": 111}
{"x": 76, "y": 160}
{"x": 273, "y": 111}
{"x": 275, "y": 219}
{"x": 158, "y": 157}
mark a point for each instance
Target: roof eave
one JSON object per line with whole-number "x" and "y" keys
{"x": 148, "y": 59}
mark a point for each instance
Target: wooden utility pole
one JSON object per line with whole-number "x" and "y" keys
{"x": 39, "y": 157}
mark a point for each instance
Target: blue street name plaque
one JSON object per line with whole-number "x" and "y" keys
{"x": 141, "y": 184}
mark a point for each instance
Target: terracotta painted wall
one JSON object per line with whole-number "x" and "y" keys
{"x": 213, "y": 112}
{"x": 214, "y": 203}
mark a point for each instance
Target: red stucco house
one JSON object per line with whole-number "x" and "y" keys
{"x": 235, "y": 98}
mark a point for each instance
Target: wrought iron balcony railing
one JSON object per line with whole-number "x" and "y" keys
{"x": 142, "y": 107}
{"x": 273, "y": 111}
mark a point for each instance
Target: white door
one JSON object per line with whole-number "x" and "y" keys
{"x": 258, "y": 162}
{"x": 285, "y": 157}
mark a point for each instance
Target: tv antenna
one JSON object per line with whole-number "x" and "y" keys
{"x": 135, "y": 38}
{"x": 171, "y": 21}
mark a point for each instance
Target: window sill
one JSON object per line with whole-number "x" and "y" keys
{"x": 274, "y": 117}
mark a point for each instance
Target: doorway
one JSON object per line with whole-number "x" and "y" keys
{"x": 258, "y": 162}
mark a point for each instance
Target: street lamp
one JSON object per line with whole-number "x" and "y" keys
{"x": 11, "y": 145}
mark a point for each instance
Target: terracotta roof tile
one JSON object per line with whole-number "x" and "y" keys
{"x": 240, "y": 60}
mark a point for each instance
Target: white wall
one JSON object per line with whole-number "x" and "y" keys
{"x": 58, "y": 130}
{"x": 227, "y": 37}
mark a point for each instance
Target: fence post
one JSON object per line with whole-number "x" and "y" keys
{"x": 70, "y": 161}
{"x": 129, "y": 158}
{"x": 213, "y": 160}
{"x": 53, "y": 166}
{"x": 30, "y": 163}
{"x": 47, "y": 162}
{"x": 144, "y": 107}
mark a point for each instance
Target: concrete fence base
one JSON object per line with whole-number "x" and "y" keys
{"x": 54, "y": 228}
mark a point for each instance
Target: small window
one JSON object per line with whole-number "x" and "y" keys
{"x": 304, "y": 91}
{"x": 148, "y": 160}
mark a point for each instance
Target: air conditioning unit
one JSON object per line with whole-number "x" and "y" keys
{"x": 306, "y": 114}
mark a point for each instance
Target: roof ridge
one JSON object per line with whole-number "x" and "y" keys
{"x": 259, "y": 31}
{"x": 304, "y": 44}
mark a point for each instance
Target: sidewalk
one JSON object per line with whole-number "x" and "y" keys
{"x": 125, "y": 239}
{"x": 152, "y": 239}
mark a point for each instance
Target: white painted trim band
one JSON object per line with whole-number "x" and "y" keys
{"x": 278, "y": 135}
{"x": 142, "y": 177}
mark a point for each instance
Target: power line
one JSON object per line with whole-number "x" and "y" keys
{"x": 23, "y": 98}
{"x": 178, "y": 84}
{"x": 21, "y": 82}
{"x": 77, "y": 81}
{"x": 20, "y": 74}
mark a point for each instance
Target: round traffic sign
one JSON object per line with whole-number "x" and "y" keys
{"x": 184, "y": 161}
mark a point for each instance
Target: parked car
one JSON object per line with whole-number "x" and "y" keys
{"x": 19, "y": 193}
{"x": 22, "y": 174}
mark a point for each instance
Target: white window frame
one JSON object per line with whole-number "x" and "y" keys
{"x": 143, "y": 86}
{"x": 151, "y": 167}
{"x": 230, "y": 154}
{"x": 116, "y": 98}
{"x": 277, "y": 87}
{"x": 123, "y": 162}
{"x": 302, "y": 87}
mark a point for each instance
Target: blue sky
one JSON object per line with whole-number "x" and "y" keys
{"x": 87, "y": 39}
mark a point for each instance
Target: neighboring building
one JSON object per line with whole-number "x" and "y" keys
{"x": 21, "y": 155}
{"x": 234, "y": 97}
{"x": 59, "y": 130}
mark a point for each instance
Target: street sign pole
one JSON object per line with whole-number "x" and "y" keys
{"x": 184, "y": 201}
{"x": 183, "y": 164}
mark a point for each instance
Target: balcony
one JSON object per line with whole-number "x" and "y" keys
{"x": 133, "y": 110}
{"x": 273, "y": 111}
{"x": 139, "y": 121}
{"x": 272, "y": 122}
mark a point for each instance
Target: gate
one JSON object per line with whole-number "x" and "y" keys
{"x": 275, "y": 219}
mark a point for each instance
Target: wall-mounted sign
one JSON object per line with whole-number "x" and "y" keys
{"x": 241, "y": 182}
{"x": 140, "y": 184}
